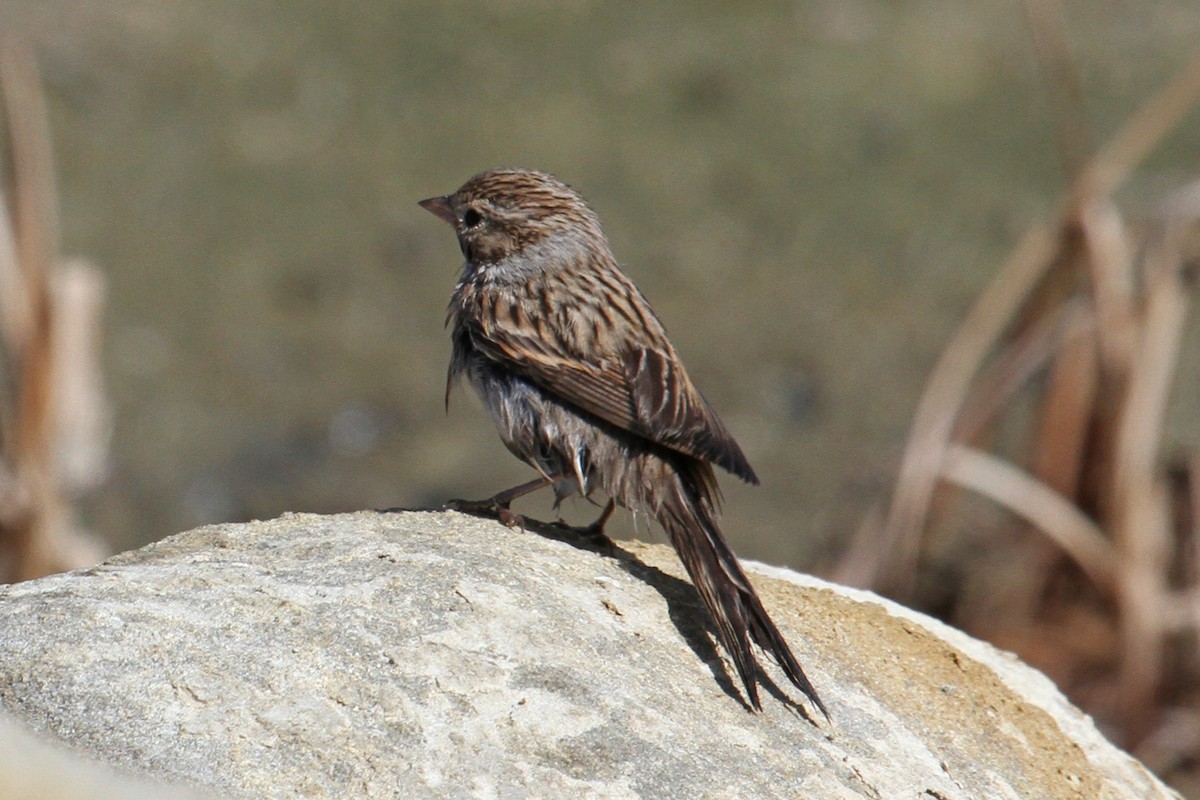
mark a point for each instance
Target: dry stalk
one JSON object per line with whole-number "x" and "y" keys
{"x": 1044, "y": 245}
{"x": 1141, "y": 524}
{"x": 938, "y": 409}
{"x": 1066, "y": 327}
{"x": 48, "y": 342}
{"x": 1102, "y": 316}
{"x": 1060, "y": 443}
{"x": 1052, "y": 513}
{"x": 1048, "y": 28}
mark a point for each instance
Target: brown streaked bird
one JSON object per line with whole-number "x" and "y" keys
{"x": 584, "y": 386}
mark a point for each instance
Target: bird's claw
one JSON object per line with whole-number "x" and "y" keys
{"x": 595, "y": 531}
{"x": 509, "y": 518}
{"x": 488, "y": 508}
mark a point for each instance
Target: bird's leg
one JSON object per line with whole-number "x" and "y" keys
{"x": 596, "y": 529}
{"x": 497, "y": 505}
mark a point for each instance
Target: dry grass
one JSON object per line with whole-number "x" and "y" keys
{"x": 1086, "y": 318}
{"x": 53, "y": 415}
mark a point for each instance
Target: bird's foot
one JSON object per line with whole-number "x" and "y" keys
{"x": 493, "y": 507}
{"x": 510, "y": 518}
{"x": 595, "y": 531}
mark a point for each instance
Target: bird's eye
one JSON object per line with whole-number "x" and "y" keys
{"x": 471, "y": 218}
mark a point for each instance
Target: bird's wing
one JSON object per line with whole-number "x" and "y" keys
{"x": 643, "y": 390}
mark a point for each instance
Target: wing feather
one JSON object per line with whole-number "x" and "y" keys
{"x": 643, "y": 390}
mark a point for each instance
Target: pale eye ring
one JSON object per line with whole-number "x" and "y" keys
{"x": 471, "y": 218}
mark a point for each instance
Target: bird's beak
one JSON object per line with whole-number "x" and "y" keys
{"x": 440, "y": 206}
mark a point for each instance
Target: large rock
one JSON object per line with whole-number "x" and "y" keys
{"x": 437, "y": 655}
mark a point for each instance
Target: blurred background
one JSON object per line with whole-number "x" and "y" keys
{"x": 812, "y": 195}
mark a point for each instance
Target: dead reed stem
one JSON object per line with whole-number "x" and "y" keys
{"x": 1099, "y": 309}
{"x": 997, "y": 307}
{"x": 42, "y": 314}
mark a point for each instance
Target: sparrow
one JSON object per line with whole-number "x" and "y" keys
{"x": 578, "y": 374}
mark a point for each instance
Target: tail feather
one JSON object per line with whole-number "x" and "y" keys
{"x": 687, "y": 515}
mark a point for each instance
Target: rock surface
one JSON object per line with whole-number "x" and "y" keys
{"x": 381, "y": 655}
{"x": 32, "y": 769}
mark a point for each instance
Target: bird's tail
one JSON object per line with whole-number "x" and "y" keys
{"x": 686, "y": 512}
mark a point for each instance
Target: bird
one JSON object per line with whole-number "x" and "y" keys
{"x": 582, "y": 383}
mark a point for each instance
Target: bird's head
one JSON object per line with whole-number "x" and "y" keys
{"x": 500, "y": 213}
